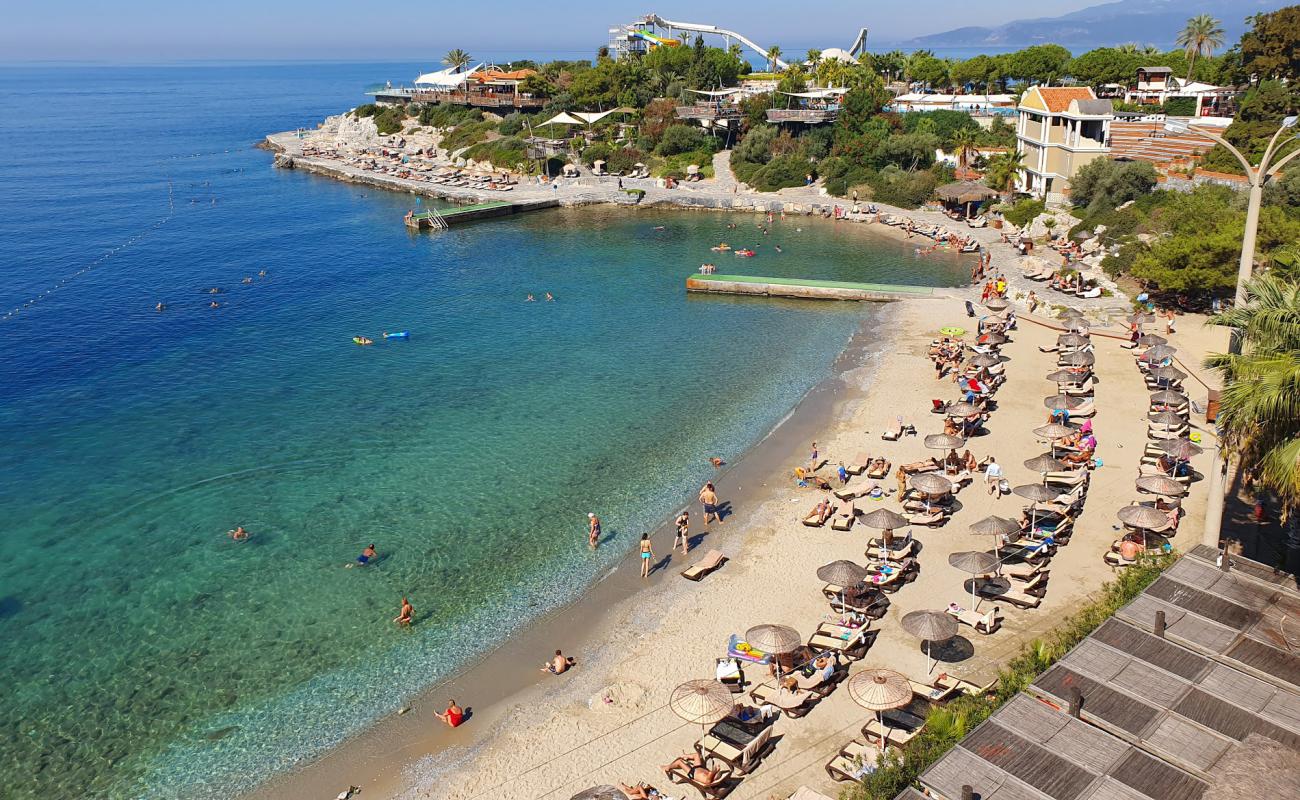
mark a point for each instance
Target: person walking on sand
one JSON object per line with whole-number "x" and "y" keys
{"x": 593, "y": 530}
{"x": 709, "y": 500}
{"x": 993, "y": 477}
{"x": 407, "y": 614}
{"x": 901, "y": 475}
{"x": 647, "y": 553}
{"x": 812, "y": 457}
{"x": 683, "y": 536}
{"x": 453, "y": 716}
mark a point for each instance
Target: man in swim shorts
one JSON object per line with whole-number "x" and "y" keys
{"x": 366, "y": 555}
{"x": 557, "y": 665}
{"x": 709, "y": 500}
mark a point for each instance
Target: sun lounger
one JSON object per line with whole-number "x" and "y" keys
{"x": 870, "y": 604}
{"x": 711, "y": 561}
{"x": 854, "y": 761}
{"x": 898, "y": 728}
{"x": 928, "y": 465}
{"x": 893, "y": 433}
{"x": 902, "y": 548}
{"x": 720, "y": 787}
{"x": 934, "y": 518}
{"x": 794, "y": 703}
{"x": 931, "y": 693}
{"x": 985, "y": 623}
{"x": 1021, "y": 570}
{"x": 879, "y": 469}
{"x": 741, "y": 760}
{"x": 858, "y": 465}
{"x": 964, "y": 686}
{"x": 843, "y": 521}
{"x": 849, "y": 643}
{"x": 814, "y": 518}
{"x": 1024, "y": 595}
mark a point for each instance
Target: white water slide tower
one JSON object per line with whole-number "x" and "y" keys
{"x": 625, "y": 39}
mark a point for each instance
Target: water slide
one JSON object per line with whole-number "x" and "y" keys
{"x": 655, "y": 19}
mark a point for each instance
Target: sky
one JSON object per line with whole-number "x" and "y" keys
{"x": 178, "y": 30}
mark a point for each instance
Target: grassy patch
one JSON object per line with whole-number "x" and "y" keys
{"x": 947, "y": 725}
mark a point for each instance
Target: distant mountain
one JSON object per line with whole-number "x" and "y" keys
{"x": 1144, "y": 21}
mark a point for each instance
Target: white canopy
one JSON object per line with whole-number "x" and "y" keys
{"x": 447, "y": 78}
{"x": 592, "y": 116}
{"x": 817, "y": 94}
{"x": 716, "y": 92}
{"x": 562, "y": 119}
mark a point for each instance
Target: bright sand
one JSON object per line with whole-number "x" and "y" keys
{"x": 608, "y": 721}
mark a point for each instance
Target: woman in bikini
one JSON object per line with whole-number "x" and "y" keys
{"x": 647, "y": 553}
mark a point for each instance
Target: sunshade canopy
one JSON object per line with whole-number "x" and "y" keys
{"x": 930, "y": 626}
{"x": 976, "y": 562}
{"x": 994, "y": 526}
{"x": 880, "y": 689}
{"x": 1036, "y": 492}
{"x": 1143, "y": 517}
{"x": 930, "y": 483}
{"x": 773, "y": 638}
{"x": 884, "y": 519}
{"x": 702, "y": 702}
{"x": 842, "y": 573}
{"x": 965, "y": 192}
{"x": 944, "y": 441}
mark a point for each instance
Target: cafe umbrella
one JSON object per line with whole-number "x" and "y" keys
{"x": 930, "y": 627}
{"x": 976, "y": 562}
{"x": 880, "y": 690}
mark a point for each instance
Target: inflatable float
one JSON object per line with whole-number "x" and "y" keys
{"x": 398, "y": 335}
{"x": 722, "y": 248}
{"x": 362, "y": 340}
{"x": 745, "y": 253}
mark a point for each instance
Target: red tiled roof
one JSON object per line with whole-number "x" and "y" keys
{"x": 1057, "y": 98}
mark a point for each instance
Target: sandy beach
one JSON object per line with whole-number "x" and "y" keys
{"x": 608, "y": 720}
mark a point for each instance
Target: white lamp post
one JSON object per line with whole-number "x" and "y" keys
{"x": 1256, "y": 177}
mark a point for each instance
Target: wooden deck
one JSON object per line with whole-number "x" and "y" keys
{"x": 1163, "y": 717}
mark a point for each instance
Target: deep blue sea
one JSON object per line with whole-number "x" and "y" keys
{"x": 143, "y": 652}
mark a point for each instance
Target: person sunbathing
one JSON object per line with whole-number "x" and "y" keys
{"x": 638, "y": 792}
{"x": 822, "y": 511}
{"x": 968, "y": 459}
{"x": 697, "y": 769}
{"x": 559, "y": 664}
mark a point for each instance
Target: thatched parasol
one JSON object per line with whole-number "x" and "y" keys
{"x": 1151, "y": 340}
{"x": 1168, "y": 397}
{"x": 1055, "y": 430}
{"x": 944, "y": 441}
{"x": 702, "y": 702}
{"x": 774, "y": 639}
{"x": 930, "y": 483}
{"x": 997, "y": 527}
{"x": 1181, "y": 449}
{"x": 976, "y": 562}
{"x": 1076, "y": 324}
{"x": 1073, "y": 340}
{"x": 1158, "y": 353}
{"x": 1170, "y": 374}
{"x": 1078, "y": 358}
{"x": 996, "y": 304}
{"x": 1161, "y": 485}
{"x": 1166, "y": 419}
{"x": 985, "y": 360}
{"x": 965, "y": 192}
{"x": 994, "y": 338}
{"x": 884, "y": 519}
{"x": 930, "y": 626}
{"x": 1036, "y": 493}
{"x": 960, "y": 409}
{"x": 1045, "y": 463}
{"x": 880, "y": 690}
{"x": 1144, "y": 517}
{"x": 843, "y": 574}
{"x": 1057, "y": 402}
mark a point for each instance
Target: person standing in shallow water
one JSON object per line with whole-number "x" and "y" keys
{"x": 593, "y": 530}
{"x": 407, "y": 614}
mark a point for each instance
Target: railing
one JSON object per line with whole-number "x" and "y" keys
{"x": 809, "y": 115}
{"x": 486, "y": 100}
{"x": 707, "y": 112}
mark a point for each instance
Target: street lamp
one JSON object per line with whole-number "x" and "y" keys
{"x": 1256, "y": 177}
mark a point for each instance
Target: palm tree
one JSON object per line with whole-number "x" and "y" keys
{"x": 964, "y": 143}
{"x": 1002, "y": 170}
{"x": 735, "y": 50}
{"x": 773, "y": 55}
{"x": 813, "y": 58}
{"x": 1259, "y": 412}
{"x": 457, "y": 59}
{"x": 1200, "y": 37}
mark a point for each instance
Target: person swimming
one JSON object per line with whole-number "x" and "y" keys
{"x": 159, "y": 307}
{"x": 247, "y": 280}
{"x": 261, "y": 274}
{"x": 550, "y": 298}
{"x": 530, "y": 299}
{"x": 238, "y": 534}
{"x": 214, "y": 304}
{"x": 365, "y": 558}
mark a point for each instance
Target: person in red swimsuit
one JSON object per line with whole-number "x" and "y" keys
{"x": 453, "y": 716}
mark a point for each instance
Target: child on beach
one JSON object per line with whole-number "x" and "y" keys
{"x": 683, "y": 531}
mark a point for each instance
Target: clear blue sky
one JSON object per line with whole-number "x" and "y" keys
{"x": 153, "y": 30}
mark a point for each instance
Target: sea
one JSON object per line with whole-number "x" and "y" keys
{"x": 146, "y": 654}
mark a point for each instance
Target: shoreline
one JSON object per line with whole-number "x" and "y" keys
{"x": 380, "y": 759}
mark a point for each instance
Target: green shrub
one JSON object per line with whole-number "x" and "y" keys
{"x": 508, "y": 153}
{"x": 675, "y": 166}
{"x": 682, "y": 139}
{"x": 1023, "y": 211}
{"x": 390, "y": 119}
{"x": 902, "y": 188}
{"x": 367, "y": 110}
{"x": 1180, "y": 106}
{"x": 624, "y": 159}
{"x": 600, "y": 151}
{"x": 781, "y": 172}
{"x": 948, "y": 724}
{"x": 511, "y": 124}
{"x": 467, "y": 133}
{"x": 447, "y": 115}
{"x": 1104, "y": 183}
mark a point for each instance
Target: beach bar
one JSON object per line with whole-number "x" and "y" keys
{"x": 803, "y": 288}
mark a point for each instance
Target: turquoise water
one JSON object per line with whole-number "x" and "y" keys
{"x": 144, "y": 653}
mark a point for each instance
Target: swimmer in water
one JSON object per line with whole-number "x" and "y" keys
{"x": 214, "y": 304}
{"x": 214, "y": 290}
{"x": 238, "y": 534}
{"x": 550, "y": 298}
{"x": 262, "y": 274}
{"x": 530, "y": 299}
{"x": 778, "y": 248}
{"x": 364, "y": 558}
{"x": 159, "y": 307}
{"x": 247, "y": 280}
{"x": 659, "y": 227}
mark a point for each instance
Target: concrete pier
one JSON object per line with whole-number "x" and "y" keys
{"x": 803, "y": 288}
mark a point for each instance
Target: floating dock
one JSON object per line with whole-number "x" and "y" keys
{"x": 803, "y": 288}
{"x": 442, "y": 218}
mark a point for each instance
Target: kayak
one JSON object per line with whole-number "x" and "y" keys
{"x": 398, "y": 335}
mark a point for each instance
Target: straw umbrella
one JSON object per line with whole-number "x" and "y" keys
{"x": 994, "y": 339}
{"x": 1066, "y": 376}
{"x": 1044, "y": 464}
{"x": 1076, "y": 324}
{"x": 960, "y": 409}
{"x": 1158, "y": 353}
{"x": 702, "y": 702}
{"x": 1144, "y": 518}
{"x": 777, "y": 640}
{"x": 843, "y": 574}
{"x": 882, "y": 519}
{"x": 976, "y": 562}
{"x": 985, "y": 360}
{"x": 1167, "y": 420}
{"x": 930, "y": 484}
{"x": 996, "y": 304}
{"x": 1079, "y": 358}
{"x": 880, "y": 690}
{"x": 1053, "y": 432}
{"x": 1035, "y": 493}
{"x": 1159, "y": 484}
{"x": 929, "y": 627}
{"x": 1168, "y": 374}
{"x": 1181, "y": 449}
{"x": 1062, "y": 402}
{"x": 944, "y": 441}
{"x": 1139, "y": 318}
{"x": 1073, "y": 340}
{"x": 1151, "y": 340}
